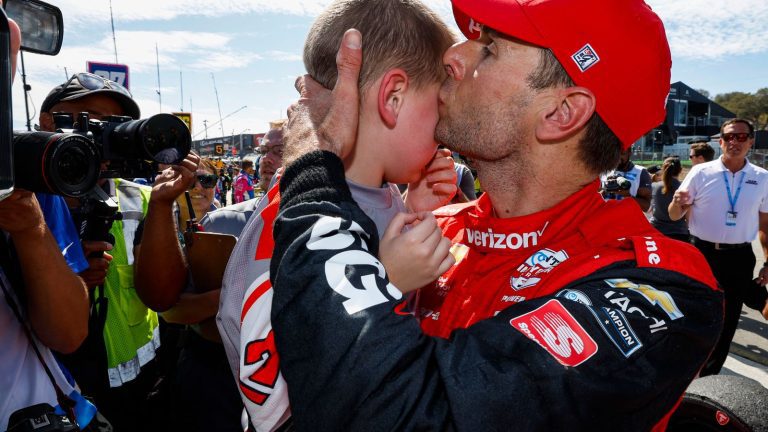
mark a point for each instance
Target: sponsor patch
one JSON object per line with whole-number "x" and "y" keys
{"x": 751, "y": 182}
{"x": 493, "y": 240}
{"x": 585, "y": 58}
{"x": 529, "y": 273}
{"x": 557, "y": 331}
{"x": 619, "y": 331}
{"x": 575, "y": 295}
{"x": 656, "y": 297}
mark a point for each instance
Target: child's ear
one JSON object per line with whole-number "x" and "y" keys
{"x": 392, "y": 90}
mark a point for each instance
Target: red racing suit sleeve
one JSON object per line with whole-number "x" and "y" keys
{"x": 614, "y": 350}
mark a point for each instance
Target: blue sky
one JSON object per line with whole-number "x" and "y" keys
{"x": 254, "y": 49}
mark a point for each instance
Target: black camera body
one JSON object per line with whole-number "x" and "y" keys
{"x": 613, "y": 185}
{"x": 39, "y": 418}
{"x": 69, "y": 162}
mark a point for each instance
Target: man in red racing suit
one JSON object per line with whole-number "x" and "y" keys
{"x": 567, "y": 313}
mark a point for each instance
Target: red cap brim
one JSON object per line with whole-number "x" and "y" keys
{"x": 504, "y": 16}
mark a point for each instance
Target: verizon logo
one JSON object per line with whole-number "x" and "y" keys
{"x": 494, "y": 240}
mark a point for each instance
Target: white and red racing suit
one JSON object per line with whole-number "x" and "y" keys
{"x": 615, "y": 323}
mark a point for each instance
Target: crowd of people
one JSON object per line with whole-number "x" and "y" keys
{"x": 357, "y": 278}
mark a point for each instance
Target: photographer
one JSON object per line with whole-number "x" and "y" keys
{"x": 50, "y": 299}
{"x": 117, "y": 366}
{"x": 638, "y": 177}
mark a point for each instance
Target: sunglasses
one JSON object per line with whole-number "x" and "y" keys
{"x": 740, "y": 137}
{"x": 692, "y": 156}
{"x": 208, "y": 181}
{"x": 95, "y": 82}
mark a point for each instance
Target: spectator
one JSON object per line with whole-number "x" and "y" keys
{"x": 44, "y": 304}
{"x": 517, "y": 316}
{"x": 271, "y": 157}
{"x": 638, "y": 177}
{"x": 223, "y": 186}
{"x": 701, "y": 152}
{"x": 726, "y": 201}
{"x": 663, "y": 191}
{"x": 201, "y": 195}
{"x": 243, "y": 183}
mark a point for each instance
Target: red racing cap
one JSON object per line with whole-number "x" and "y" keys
{"x": 618, "y": 49}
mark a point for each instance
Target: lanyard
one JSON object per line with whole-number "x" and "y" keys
{"x": 733, "y": 199}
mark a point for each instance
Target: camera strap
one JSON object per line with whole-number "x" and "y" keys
{"x": 65, "y": 402}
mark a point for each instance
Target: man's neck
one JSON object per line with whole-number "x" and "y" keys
{"x": 521, "y": 188}
{"x": 734, "y": 164}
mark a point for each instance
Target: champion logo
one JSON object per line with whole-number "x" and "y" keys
{"x": 554, "y": 328}
{"x": 512, "y": 241}
{"x": 585, "y": 58}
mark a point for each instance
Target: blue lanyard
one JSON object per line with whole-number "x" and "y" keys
{"x": 733, "y": 199}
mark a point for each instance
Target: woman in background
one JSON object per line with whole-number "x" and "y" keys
{"x": 661, "y": 196}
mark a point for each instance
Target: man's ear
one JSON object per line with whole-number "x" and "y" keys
{"x": 567, "y": 112}
{"x": 46, "y": 121}
{"x": 392, "y": 90}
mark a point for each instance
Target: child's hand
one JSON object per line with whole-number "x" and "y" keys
{"x": 417, "y": 256}
{"x": 437, "y": 185}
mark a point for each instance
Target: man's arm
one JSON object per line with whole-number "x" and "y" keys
{"x": 680, "y": 204}
{"x": 352, "y": 362}
{"x": 643, "y": 198}
{"x": 160, "y": 266}
{"x": 57, "y": 299}
{"x": 643, "y": 195}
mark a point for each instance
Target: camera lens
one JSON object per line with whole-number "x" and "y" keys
{"x": 162, "y": 138}
{"x": 73, "y": 165}
{"x": 63, "y": 164}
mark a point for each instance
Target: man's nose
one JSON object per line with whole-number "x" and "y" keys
{"x": 455, "y": 60}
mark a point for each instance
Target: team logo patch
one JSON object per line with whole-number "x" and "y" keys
{"x": 585, "y": 58}
{"x": 529, "y": 273}
{"x": 722, "y": 418}
{"x": 615, "y": 325}
{"x": 557, "y": 331}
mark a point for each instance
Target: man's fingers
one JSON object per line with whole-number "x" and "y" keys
{"x": 90, "y": 246}
{"x": 423, "y": 229}
{"x": 340, "y": 126}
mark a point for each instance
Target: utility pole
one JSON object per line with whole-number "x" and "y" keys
{"x": 114, "y": 39}
{"x": 157, "y": 60}
{"x": 215, "y": 90}
{"x": 181, "y": 84}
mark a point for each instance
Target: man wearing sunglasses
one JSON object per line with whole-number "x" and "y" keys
{"x": 727, "y": 205}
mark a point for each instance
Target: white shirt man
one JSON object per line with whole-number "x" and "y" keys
{"x": 727, "y": 199}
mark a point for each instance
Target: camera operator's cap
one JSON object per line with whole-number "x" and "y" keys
{"x": 616, "y": 48}
{"x": 73, "y": 89}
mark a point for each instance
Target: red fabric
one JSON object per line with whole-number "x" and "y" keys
{"x": 505, "y": 261}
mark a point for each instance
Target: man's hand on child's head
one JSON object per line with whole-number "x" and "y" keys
{"x": 437, "y": 184}
{"x": 308, "y": 129}
{"x": 415, "y": 257}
